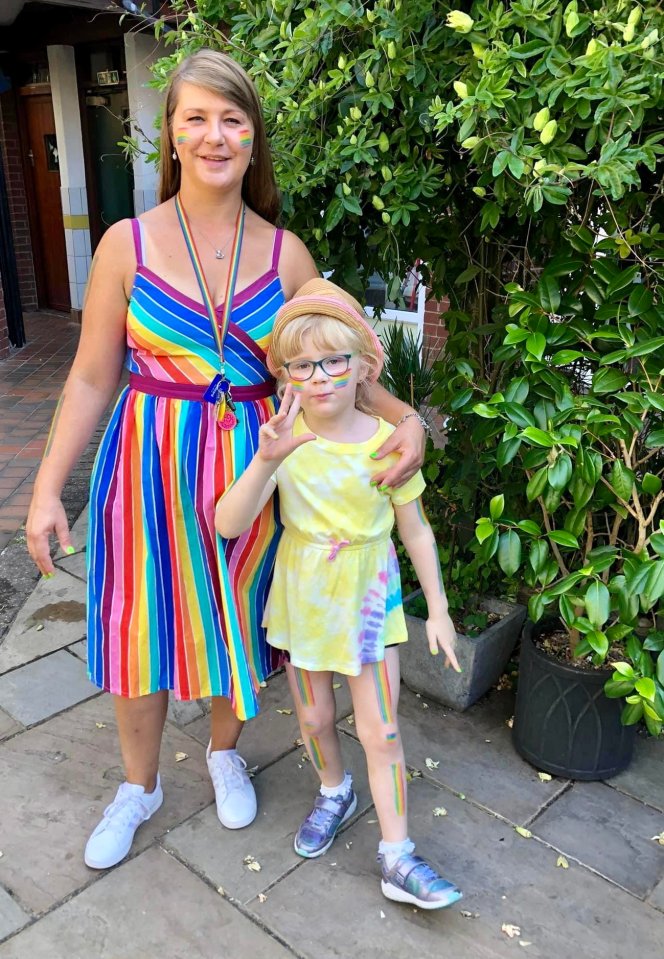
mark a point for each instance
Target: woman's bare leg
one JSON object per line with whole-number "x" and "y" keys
{"x": 225, "y": 727}
{"x": 140, "y": 727}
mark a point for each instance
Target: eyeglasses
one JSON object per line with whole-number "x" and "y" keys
{"x": 337, "y": 365}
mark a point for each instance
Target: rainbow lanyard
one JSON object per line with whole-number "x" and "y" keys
{"x": 219, "y": 390}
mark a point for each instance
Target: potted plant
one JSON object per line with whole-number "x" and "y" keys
{"x": 581, "y": 427}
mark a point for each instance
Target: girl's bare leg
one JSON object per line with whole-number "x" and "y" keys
{"x": 140, "y": 727}
{"x": 375, "y": 695}
{"x": 313, "y": 696}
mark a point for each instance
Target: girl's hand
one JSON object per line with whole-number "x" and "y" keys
{"x": 441, "y": 633}
{"x": 409, "y": 440}
{"x": 46, "y": 516}
{"x": 275, "y": 438}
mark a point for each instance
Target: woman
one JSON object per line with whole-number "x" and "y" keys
{"x": 168, "y": 606}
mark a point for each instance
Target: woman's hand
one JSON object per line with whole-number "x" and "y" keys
{"x": 45, "y": 517}
{"x": 409, "y": 440}
{"x": 441, "y": 633}
{"x": 275, "y": 438}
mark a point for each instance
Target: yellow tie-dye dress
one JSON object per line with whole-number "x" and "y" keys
{"x": 335, "y": 600}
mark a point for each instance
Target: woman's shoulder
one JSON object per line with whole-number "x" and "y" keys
{"x": 296, "y": 264}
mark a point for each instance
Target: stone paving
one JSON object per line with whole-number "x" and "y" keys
{"x": 186, "y": 891}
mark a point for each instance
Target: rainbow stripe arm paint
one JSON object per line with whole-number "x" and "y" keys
{"x": 246, "y": 138}
{"x": 382, "y": 686}
{"x": 420, "y": 512}
{"x": 304, "y": 687}
{"x": 399, "y": 789}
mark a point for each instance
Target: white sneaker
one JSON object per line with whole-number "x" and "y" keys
{"x": 233, "y": 790}
{"x": 112, "y": 838}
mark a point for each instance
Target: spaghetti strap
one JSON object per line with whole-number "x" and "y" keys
{"x": 138, "y": 241}
{"x": 276, "y": 250}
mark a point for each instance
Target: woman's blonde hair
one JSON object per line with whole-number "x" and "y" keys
{"x": 221, "y": 75}
{"x": 327, "y": 333}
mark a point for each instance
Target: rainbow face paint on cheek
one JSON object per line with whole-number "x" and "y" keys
{"x": 297, "y": 386}
{"x": 382, "y": 686}
{"x": 399, "y": 788}
{"x": 341, "y": 381}
{"x": 182, "y": 137}
{"x": 246, "y": 139}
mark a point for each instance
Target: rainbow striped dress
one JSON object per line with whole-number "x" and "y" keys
{"x": 171, "y": 605}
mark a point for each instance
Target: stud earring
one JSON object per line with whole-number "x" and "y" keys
{"x": 174, "y": 155}
{"x": 253, "y": 160}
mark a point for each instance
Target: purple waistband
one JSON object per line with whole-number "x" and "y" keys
{"x": 194, "y": 391}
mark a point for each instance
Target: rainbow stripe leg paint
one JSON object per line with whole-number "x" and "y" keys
{"x": 399, "y": 788}
{"x": 304, "y": 687}
{"x": 382, "y": 686}
{"x": 315, "y": 753}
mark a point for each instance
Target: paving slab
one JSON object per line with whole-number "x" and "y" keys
{"x": 272, "y": 734}
{"x": 149, "y": 907}
{"x": 80, "y": 649}
{"x": 656, "y": 897}
{"x": 182, "y": 712}
{"x": 505, "y": 879}
{"x": 8, "y": 725}
{"x": 644, "y": 779}
{"x": 608, "y": 831}
{"x": 58, "y": 777}
{"x": 74, "y": 564}
{"x": 45, "y": 687}
{"x": 52, "y": 617}
{"x": 475, "y": 754}
{"x": 285, "y": 792}
{"x": 12, "y": 917}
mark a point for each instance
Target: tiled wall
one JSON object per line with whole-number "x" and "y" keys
{"x": 77, "y": 240}
{"x": 18, "y": 209}
{"x": 144, "y": 200}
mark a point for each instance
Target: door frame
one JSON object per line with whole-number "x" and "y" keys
{"x": 33, "y": 89}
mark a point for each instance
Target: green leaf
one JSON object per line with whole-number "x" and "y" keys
{"x": 616, "y": 689}
{"x": 607, "y": 380}
{"x": 530, "y": 527}
{"x": 660, "y": 668}
{"x": 549, "y": 294}
{"x": 560, "y": 473}
{"x": 518, "y": 389}
{"x": 651, "y": 484}
{"x": 536, "y": 484}
{"x": 598, "y": 641}
{"x": 655, "y": 439}
{"x": 565, "y": 357}
{"x": 519, "y": 414}
{"x": 509, "y": 552}
{"x": 506, "y": 451}
{"x": 496, "y": 507}
{"x": 563, "y": 538}
{"x": 625, "y": 670}
{"x": 598, "y": 605}
{"x": 640, "y": 301}
{"x": 530, "y": 49}
{"x": 537, "y": 437}
{"x": 655, "y": 400}
{"x": 566, "y": 608}
{"x": 484, "y": 529}
{"x": 536, "y": 344}
{"x": 645, "y": 687}
{"x": 631, "y": 714}
{"x": 485, "y": 411}
{"x": 622, "y": 480}
{"x": 537, "y": 557}
{"x": 461, "y": 399}
{"x": 535, "y": 607}
{"x": 654, "y": 585}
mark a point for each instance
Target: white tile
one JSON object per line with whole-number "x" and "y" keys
{"x": 88, "y": 247}
{"x": 84, "y": 200}
{"x": 73, "y": 296}
{"x": 81, "y": 294}
{"x": 82, "y": 268}
{"x": 71, "y": 268}
{"x": 64, "y": 193}
{"x": 139, "y": 203}
{"x": 69, "y": 242}
{"x": 75, "y": 201}
{"x": 79, "y": 243}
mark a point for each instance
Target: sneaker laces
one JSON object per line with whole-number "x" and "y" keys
{"x": 127, "y": 809}
{"x": 229, "y": 773}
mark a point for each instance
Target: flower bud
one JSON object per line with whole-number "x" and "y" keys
{"x": 541, "y": 119}
{"x": 385, "y": 217}
{"x": 628, "y": 33}
{"x": 369, "y": 80}
{"x": 651, "y": 38}
{"x": 549, "y": 132}
{"x": 352, "y": 140}
{"x": 479, "y": 52}
{"x": 459, "y": 21}
{"x": 479, "y": 191}
{"x": 383, "y": 143}
{"x": 460, "y": 89}
{"x": 356, "y": 113}
{"x": 377, "y": 202}
{"x": 386, "y": 173}
{"x": 539, "y": 167}
{"x": 341, "y": 62}
{"x": 634, "y": 16}
{"x": 391, "y": 50}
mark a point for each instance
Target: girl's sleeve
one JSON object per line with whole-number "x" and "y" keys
{"x": 409, "y": 491}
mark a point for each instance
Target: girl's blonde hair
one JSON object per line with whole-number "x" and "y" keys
{"x": 221, "y": 75}
{"x": 327, "y": 333}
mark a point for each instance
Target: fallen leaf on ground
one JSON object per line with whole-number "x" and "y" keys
{"x": 415, "y": 774}
{"x": 432, "y": 764}
{"x": 462, "y": 795}
{"x": 100, "y": 725}
{"x": 350, "y": 719}
{"x": 562, "y": 862}
{"x": 251, "y": 863}
{"x": 349, "y": 844}
{"x": 425, "y": 705}
{"x": 40, "y": 627}
{"x": 305, "y": 758}
{"x": 336, "y": 685}
{"x": 522, "y": 942}
{"x": 382, "y": 914}
{"x": 263, "y": 685}
{"x": 544, "y": 777}
{"x": 522, "y": 831}
{"x": 510, "y": 930}
{"x": 440, "y": 811}
{"x": 469, "y": 915}
{"x": 285, "y": 712}
{"x": 298, "y": 742}
{"x": 509, "y": 722}
{"x": 371, "y": 821}
{"x": 180, "y": 757}
{"x": 659, "y": 839}
{"x": 221, "y": 891}
{"x": 262, "y": 897}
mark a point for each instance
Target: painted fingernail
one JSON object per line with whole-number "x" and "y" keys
{"x": 373, "y": 483}
{"x": 434, "y": 652}
{"x": 373, "y": 456}
{"x": 49, "y": 575}
{"x": 70, "y": 549}
{"x": 459, "y": 670}
{"x": 381, "y": 489}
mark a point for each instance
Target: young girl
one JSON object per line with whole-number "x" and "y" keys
{"x": 335, "y": 602}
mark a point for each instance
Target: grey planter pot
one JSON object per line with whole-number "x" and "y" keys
{"x": 482, "y": 658}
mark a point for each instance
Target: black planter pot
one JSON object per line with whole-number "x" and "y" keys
{"x": 563, "y": 722}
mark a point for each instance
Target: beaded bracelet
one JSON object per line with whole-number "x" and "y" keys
{"x": 420, "y": 419}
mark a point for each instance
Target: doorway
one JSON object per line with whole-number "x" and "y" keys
{"x": 43, "y": 175}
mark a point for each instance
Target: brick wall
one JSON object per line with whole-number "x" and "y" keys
{"x": 435, "y": 333}
{"x": 4, "y": 335}
{"x": 18, "y": 207}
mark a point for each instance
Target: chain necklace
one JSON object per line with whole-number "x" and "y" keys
{"x": 218, "y": 251}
